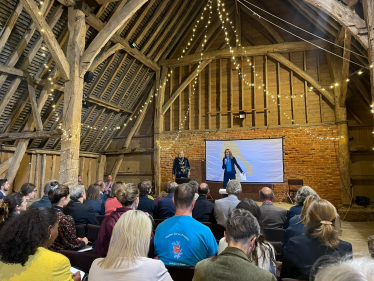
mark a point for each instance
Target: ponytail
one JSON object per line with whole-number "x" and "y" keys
{"x": 127, "y": 194}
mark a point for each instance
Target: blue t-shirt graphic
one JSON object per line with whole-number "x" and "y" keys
{"x": 183, "y": 241}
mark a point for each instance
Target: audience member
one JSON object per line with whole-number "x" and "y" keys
{"x": 321, "y": 238}
{"x": 127, "y": 254}
{"x": 93, "y": 199}
{"x": 44, "y": 201}
{"x": 272, "y": 216}
{"x": 163, "y": 193}
{"x": 80, "y": 182}
{"x": 67, "y": 237}
{"x": 81, "y": 213}
{"x": 112, "y": 203}
{"x": 11, "y": 206}
{"x": 182, "y": 240}
{"x": 204, "y": 209}
{"x": 166, "y": 207}
{"x": 195, "y": 186}
{"x": 128, "y": 196}
{"x": 263, "y": 255}
{"x": 358, "y": 269}
{"x": 297, "y": 223}
{"x": 108, "y": 186}
{"x": 145, "y": 204}
{"x": 300, "y": 197}
{"x": 28, "y": 190}
{"x": 23, "y": 249}
{"x": 4, "y": 187}
{"x": 102, "y": 188}
{"x": 223, "y": 206}
{"x": 233, "y": 263}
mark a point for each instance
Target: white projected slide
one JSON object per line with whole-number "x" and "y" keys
{"x": 260, "y": 159}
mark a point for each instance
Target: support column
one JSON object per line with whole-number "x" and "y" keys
{"x": 71, "y": 121}
{"x": 368, "y": 6}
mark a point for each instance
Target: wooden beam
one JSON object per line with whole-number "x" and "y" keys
{"x": 345, "y": 69}
{"x": 345, "y": 16}
{"x": 109, "y": 139}
{"x": 99, "y": 131}
{"x": 99, "y": 59}
{"x": 43, "y": 173}
{"x": 7, "y": 29}
{"x": 101, "y": 168}
{"x": 30, "y": 135}
{"x": 184, "y": 84}
{"x": 116, "y": 166}
{"x": 8, "y": 95}
{"x": 107, "y": 32}
{"x": 49, "y": 38}
{"x": 280, "y": 58}
{"x": 355, "y": 117}
{"x": 5, "y": 165}
{"x": 158, "y": 125}
{"x": 34, "y": 107}
{"x": 245, "y": 51}
{"x": 93, "y": 125}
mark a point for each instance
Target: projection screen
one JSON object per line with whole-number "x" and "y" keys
{"x": 260, "y": 159}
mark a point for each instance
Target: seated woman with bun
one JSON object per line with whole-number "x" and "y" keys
{"x": 11, "y": 206}
{"x": 67, "y": 237}
{"x": 321, "y": 238}
{"x": 23, "y": 249}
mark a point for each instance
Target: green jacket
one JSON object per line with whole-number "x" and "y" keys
{"x": 231, "y": 264}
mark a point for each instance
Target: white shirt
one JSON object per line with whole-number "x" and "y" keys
{"x": 143, "y": 269}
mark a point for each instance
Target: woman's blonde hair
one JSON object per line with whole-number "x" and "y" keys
{"x": 127, "y": 194}
{"x": 130, "y": 240}
{"x": 230, "y": 153}
{"x": 309, "y": 200}
{"x": 320, "y": 222}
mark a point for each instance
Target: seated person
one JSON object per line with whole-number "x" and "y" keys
{"x": 223, "y": 206}
{"x": 81, "y": 213}
{"x": 128, "y": 196}
{"x": 195, "y": 186}
{"x": 182, "y": 240}
{"x": 272, "y": 216}
{"x": 242, "y": 232}
{"x": 28, "y": 190}
{"x": 145, "y": 204}
{"x": 67, "y": 236}
{"x": 112, "y": 203}
{"x": 163, "y": 193}
{"x": 321, "y": 238}
{"x": 93, "y": 199}
{"x": 23, "y": 249}
{"x": 11, "y": 206}
{"x": 300, "y": 197}
{"x": 4, "y": 187}
{"x": 102, "y": 189}
{"x": 44, "y": 201}
{"x": 204, "y": 209}
{"x": 264, "y": 254}
{"x": 127, "y": 254}
{"x": 166, "y": 207}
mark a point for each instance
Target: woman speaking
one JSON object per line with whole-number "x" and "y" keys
{"x": 228, "y": 164}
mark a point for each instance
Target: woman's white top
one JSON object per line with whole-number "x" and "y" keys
{"x": 263, "y": 262}
{"x": 143, "y": 269}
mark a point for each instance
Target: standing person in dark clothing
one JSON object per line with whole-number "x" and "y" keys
{"x": 228, "y": 164}
{"x": 181, "y": 167}
{"x": 145, "y": 204}
{"x": 166, "y": 207}
{"x": 203, "y": 210}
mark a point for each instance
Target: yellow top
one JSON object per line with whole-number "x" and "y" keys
{"x": 44, "y": 265}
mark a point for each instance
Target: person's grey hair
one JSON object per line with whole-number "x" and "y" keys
{"x": 233, "y": 187}
{"x": 303, "y": 193}
{"x": 241, "y": 226}
{"x": 77, "y": 191}
{"x": 173, "y": 187}
{"x": 144, "y": 187}
{"x": 264, "y": 196}
{"x": 48, "y": 186}
{"x": 194, "y": 184}
{"x": 347, "y": 269}
{"x": 167, "y": 186}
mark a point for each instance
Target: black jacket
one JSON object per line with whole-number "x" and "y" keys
{"x": 203, "y": 210}
{"x": 233, "y": 164}
{"x": 81, "y": 213}
{"x": 147, "y": 205}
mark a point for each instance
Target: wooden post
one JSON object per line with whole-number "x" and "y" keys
{"x": 101, "y": 168}
{"x": 69, "y": 162}
{"x": 42, "y": 174}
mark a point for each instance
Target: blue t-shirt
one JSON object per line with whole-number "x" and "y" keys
{"x": 183, "y": 241}
{"x": 228, "y": 164}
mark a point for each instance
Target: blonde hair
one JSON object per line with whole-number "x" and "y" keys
{"x": 130, "y": 240}
{"x": 308, "y": 201}
{"x": 127, "y": 194}
{"x": 230, "y": 153}
{"x": 318, "y": 218}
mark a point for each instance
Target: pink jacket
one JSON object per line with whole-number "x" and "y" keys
{"x": 111, "y": 205}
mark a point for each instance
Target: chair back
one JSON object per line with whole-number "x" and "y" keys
{"x": 275, "y": 234}
{"x": 157, "y": 222}
{"x": 181, "y": 273}
{"x": 81, "y": 230}
{"x": 219, "y": 231}
{"x": 208, "y": 224}
{"x": 92, "y": 232}
{"x": 278, "y": 248}
{"x": 100, "y": 219}
{"x": 82, "y": 261}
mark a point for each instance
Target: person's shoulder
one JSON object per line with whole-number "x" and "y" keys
{"x": 345, "y": 245}
{"x": 52, "y": 257}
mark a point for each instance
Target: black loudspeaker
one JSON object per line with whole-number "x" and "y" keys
{"x": 88, "y": 77}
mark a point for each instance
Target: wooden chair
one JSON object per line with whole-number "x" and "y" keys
{"x": 83, "y": 261}
{"x": 181, "y": 273}
{"x": 275, "y": 235}
{"x": 81, "y": 230}
{"x": 278, "y": 248}
{"x": 100, "y": 219}
{"x": 92, "y": 232}
{"x": 292, "y": 182}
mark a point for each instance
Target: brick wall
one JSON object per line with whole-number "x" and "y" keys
{"x": 305, "y": 157}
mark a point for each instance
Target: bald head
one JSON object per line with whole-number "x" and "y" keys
{"x": 203, "y": 189}
{"x": 266, "y": 193}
